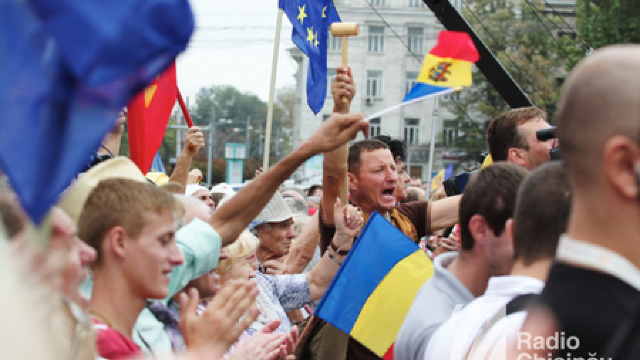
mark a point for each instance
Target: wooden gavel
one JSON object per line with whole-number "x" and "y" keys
{"x": 344, "y": 30}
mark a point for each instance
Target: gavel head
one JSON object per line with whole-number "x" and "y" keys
{"x": 345, "y": 29}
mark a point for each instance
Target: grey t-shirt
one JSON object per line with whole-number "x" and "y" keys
{"x": 432, "y": 306}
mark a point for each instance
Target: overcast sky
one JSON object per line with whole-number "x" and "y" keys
{"x": 233, "y": 45}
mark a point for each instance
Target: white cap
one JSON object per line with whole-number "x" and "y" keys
{"x": 191, "y": 188}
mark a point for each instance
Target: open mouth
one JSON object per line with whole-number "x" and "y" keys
{"x": 389, "y": 193}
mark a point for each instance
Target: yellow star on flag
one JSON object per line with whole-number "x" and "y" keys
{"x": 310, "y": 35}
{"x": 316, "y": 37}
{"x": 301, "y": 13}
{"x": 323, "y": 12}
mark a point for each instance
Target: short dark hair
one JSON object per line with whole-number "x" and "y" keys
{"x": 490, "y": 193}
{"x": 542, "y": 211}
{"x": 398, "y": 147}
{"x": 216, "y": 197}
{"x": 503, "y": 134}
{"x": 312, "y": 189}
{"x": 412, "y": 195}
{"x": 356, "y": 150}
{"x": 11, "y": 213}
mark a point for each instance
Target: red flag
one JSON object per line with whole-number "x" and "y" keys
{"x": 148, "y": 117}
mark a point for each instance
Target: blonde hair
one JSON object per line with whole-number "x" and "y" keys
{"x": 245, "y": 245}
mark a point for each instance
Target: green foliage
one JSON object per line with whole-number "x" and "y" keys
{"x": 604, "y": 22}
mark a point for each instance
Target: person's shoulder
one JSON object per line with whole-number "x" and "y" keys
{"x": 111, "y": 344}
{"x": 412, "y": 206}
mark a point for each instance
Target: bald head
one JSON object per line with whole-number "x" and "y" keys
{"x": 601, "y": 99}
{"x": 194, "y": 208}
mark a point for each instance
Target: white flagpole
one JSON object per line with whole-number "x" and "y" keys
{"x": 272, "y": 90}
{"x": 432, "y": 148}
{"x": 397, "y": 106}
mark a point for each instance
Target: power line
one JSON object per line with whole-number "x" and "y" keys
{"x": 553, "y": 10}
{"x": 522, "y": 73}
{"x": 393, "y": 31}
{"x": 575, "y": 42}
{"x": 535, "y": 11}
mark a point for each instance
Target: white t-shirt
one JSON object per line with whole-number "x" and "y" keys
{"x": 454, "y": 338}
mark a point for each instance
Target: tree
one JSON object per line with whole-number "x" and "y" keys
{"x": 603, "y": 22}
{"x": 515, "y": 33}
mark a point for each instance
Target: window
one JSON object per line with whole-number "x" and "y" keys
{"x": 411, "y": 77}
{"x": 416, "y": 39}
{"x": 335, "y": 43}
{"x": 376, "y": 39}
{"x": 374, "y": 84}
{"x": 412, "y": 131}
{"x": 331, "y": 73}
{"x": 374, "y": 127}
{"x": 449, "y": 132}
{"x": 377, "y": 2}
{"x": 453, "y": 96}
{"x": 416, "y": 3}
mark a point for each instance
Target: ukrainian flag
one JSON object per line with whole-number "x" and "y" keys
{"x": 447, "y": 66}
{"x": 372, "y": 292}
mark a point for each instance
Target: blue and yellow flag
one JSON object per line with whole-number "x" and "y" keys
{"x": 372, "y": 292}
{"x": 311, "y": 20}
{"x": 446, "y": 67}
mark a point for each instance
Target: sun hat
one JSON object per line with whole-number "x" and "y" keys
{"x": 159, "y": 178}
{"x": 275, "y": 211}
{"x": 73, "y": 199}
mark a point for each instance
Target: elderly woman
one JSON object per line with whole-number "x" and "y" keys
{"x": 282, "y": 293}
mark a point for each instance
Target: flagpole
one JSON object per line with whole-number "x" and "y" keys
{"x": 432, "y": 148}
{"x": 272, "y": 90}
{"x": 183, "y": 106}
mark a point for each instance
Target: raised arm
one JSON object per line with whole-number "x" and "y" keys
{"x": 234, "y": 215}
{"x": 348, "y": 222}
{"x": 303, "y": 248}
{"x": 193, "y": 142}
{"x": 334, "y": 166}
{"x": 445, "y": 212}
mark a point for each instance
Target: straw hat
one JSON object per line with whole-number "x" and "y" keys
{"x": 159, "y": 178}
{"x": 73, "y": 199}
{"x": 275, "y": 211}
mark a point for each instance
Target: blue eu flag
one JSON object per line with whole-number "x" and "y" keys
{"x": 311, "y": 20}
{"x": 67, "y": 68}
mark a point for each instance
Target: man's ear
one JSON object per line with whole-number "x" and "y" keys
{"x": 478, "y": 227}
{"x": 516, "y": 156}
{"x": 115, "y": 241}
{"x": 353, "y": 182}
{"x": 620, "y": 156}
{"x": 510, "y": 227}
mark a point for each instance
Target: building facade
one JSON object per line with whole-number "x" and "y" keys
{"x": 384, "y": 67}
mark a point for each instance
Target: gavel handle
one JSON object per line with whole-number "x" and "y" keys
{"x": 345, "y": 48}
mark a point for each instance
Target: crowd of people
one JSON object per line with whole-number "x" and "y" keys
{"x": 541, "y": 262}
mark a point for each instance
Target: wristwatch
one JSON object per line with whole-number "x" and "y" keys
{"x": 337, "y": 250}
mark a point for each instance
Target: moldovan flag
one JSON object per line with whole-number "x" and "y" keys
{"x": 374, "y": 288}
{"x": 446, "y": 67}
{"x": 148, "y": 117}
{"x": 437, "y": 180}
